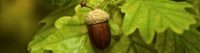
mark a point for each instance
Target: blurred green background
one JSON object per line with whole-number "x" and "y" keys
{"x": 19, "y": 20}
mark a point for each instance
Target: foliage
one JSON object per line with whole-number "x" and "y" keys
{"x": 137, "y": 26}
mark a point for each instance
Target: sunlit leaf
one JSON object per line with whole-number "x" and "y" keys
{"x": 155, "y": 16}
{"x": 68, "y": 31}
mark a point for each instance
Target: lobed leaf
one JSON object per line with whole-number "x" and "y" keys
{"x": 155, "y": 16}
{"x": 68, "y": 31}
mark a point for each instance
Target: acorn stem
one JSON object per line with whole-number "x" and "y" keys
{"x": 89, "y": 7}
{"x": 84, "y": 4}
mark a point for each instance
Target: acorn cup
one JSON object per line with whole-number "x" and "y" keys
{"x": 98, "y": 28}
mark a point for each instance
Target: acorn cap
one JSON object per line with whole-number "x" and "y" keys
{"x": 97, "y": 16}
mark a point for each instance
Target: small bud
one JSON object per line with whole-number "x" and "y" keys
{"x": 98, "y": 28}
{"x": 83, "y": 3}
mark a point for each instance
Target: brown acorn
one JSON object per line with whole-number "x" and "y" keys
{"x": 98, "y": 28}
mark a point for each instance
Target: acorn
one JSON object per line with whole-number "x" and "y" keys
{"x": 98, "y": 28}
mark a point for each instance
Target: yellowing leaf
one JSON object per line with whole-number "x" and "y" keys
{"x": 150, "y": 16}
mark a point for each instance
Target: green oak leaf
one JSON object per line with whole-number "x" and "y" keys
{"x": 195, "y": 10}
{"x": 71, "y": 38}
{"x": 94, "y": 3}
{"x": 68, "y": 36}
{"x": 196, "y": 4}
{"x": 122, "y": 46}
{"x": 165, "y": 43}
{"x": 139, "y": 45}
{"x": 35, "y": 45}
{"x": 65, "y": 8}
{"x": 114, "y": 28}
{"x": 170, "y": 42}
{"x": 150, "y": 16}
{"x": 53, "y": 16}
{"x": 116, "y": 20}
